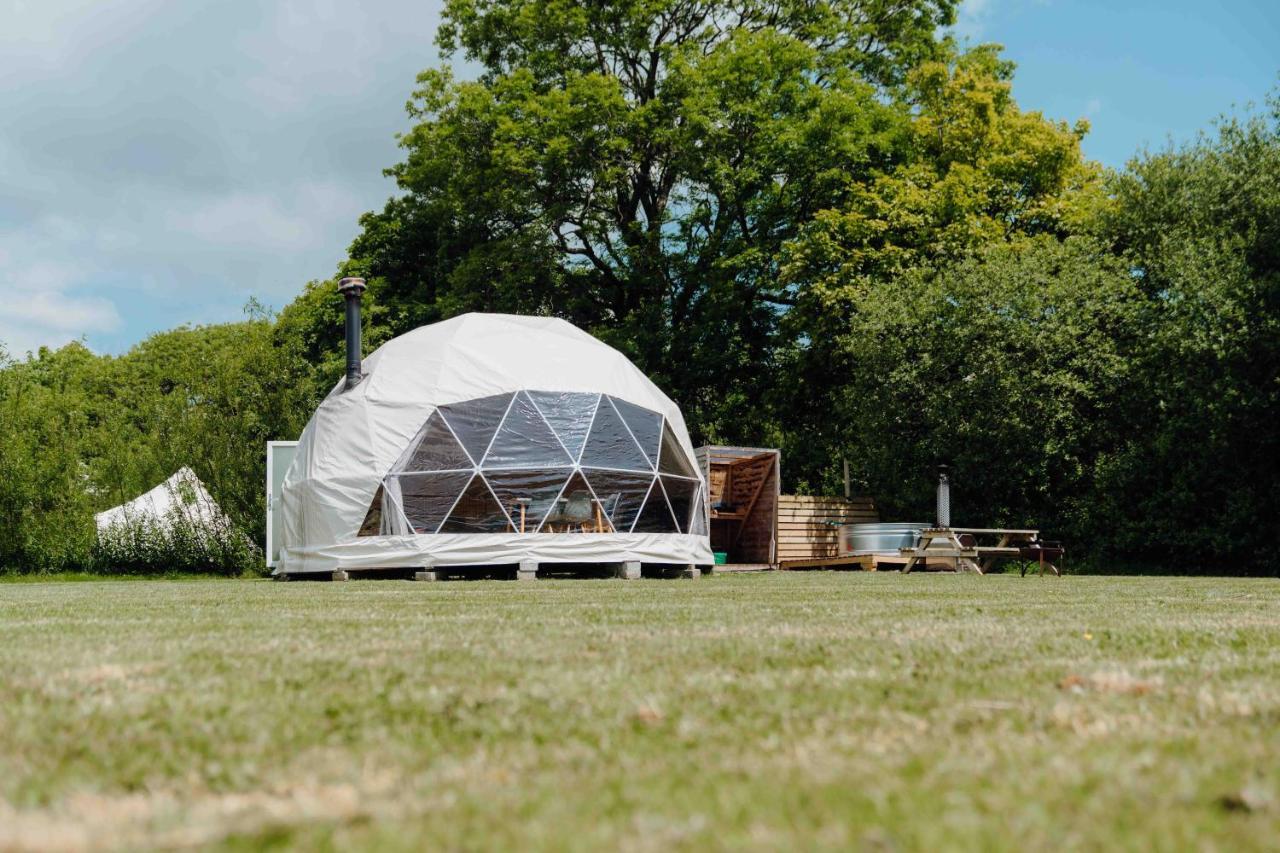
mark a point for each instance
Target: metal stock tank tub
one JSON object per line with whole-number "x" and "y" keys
{"x": 878, "y": 538}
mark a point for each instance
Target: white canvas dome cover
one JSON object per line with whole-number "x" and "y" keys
{"x": 180, "y": 499}
{"x": 491, "y": 439}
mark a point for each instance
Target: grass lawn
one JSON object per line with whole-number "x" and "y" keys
{"x": 822, "y": 710}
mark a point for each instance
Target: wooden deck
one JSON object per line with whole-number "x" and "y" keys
{"x": 865, "y": 562}
{"x": 981, "y": 558}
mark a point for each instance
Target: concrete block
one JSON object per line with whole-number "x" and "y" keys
{"x": 628, "y": 571}
{"x": 691, "y": 573}
{"x": 527, "y": 571}
{"x": 428, "y": 576}
{"x": 340, "y": 576}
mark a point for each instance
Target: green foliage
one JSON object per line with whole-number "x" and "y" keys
{"x": 178, "y": 544}
{"x": 1200, "y": 228}
{"x": 90, "y": 432}
{"x": 1118, "y": 389}
{"x": 46, "y": 523}
{"x": 981, "y": 172}
{"x": 1002, "y": 364}
{"x": 208, "y": 398}
{"x": 816, "y": 225}
{"x": 637, "y": 167}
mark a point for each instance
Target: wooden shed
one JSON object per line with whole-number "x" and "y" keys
{"x": 744, "y": 485}
{"x": 755, "y": 524}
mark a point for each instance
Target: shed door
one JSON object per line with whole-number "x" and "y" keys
{"x": 279, "y": 458}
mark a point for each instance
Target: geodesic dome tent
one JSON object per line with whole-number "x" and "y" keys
{"x": 493, "y": 439}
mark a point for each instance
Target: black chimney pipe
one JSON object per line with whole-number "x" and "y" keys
{"x": 351, "y": 288}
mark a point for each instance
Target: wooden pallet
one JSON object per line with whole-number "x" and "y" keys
{"x": 525, "y": 570}
{"x": 865, "y": 562}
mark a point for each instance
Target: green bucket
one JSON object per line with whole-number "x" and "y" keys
{"x": 722, "y": 557}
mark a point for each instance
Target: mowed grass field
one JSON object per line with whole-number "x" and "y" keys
{"x": 822, "y": 710}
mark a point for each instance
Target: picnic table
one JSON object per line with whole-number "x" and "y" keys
{"x": 961, "y": 544}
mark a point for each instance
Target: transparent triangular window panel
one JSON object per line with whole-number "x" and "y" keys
{"x": 372, "y": 524}
{"x": 656, "y": 515}
{"x": 698, "y": 526}
{"x": 610, "y": 444}
{"x": 569, "y": 415}
{"x": 681, "y": 494}
{"x": 621, "y": 495}
{"x": 426, "y": 499}
{"x": 435, "y": 449}
{"x": 475, "y": 421}
{"x": 548, "y": 461}
{"x": 672, "y": 459}
{"x": 477, "y": 511}
{"x": 525, "y": 440}
{"x": 645, "y": 425}
{"x": 527, "y": 495}
{"x": 576, "y": 510}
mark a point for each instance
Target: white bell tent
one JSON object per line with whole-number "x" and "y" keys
{"x": 493, "y": 439}
{"x": 181, "y": 499}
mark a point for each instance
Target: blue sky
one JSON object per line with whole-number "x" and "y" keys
{"x": 1141, "y": 72}
{"x": 162, "y": 162}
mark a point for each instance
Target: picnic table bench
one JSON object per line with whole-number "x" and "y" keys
{"x": 961, "y": 545}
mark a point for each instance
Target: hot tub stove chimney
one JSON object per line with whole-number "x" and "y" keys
{"x": 944, "y": 497}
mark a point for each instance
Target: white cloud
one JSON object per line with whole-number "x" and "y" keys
{"x": 246, "y": 221}
{"x": 971, "y": 19}
{"x": 162, "y": 162}
{"x": 40, "y": 308}
{"x": 58, "y": 313}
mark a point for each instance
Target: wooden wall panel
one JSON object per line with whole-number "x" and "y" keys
{"x": 809, "y": 527}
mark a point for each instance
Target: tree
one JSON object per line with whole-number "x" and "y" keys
{"x": 207, "y": 397}
{"x": 637, "y": 167}
{"x": 979, "y": 172}
{"x": 88, "y": 432}
{"x": 1199, "y": 226}
{"x": 1003, "y": 364}
{"x": 45, "y": 501}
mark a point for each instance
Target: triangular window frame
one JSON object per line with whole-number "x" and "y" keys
{"x": 574, "y": 451}
{"x": 671, "y": 516}
{"x": 635, "y": 454}
{"x": 595, "y": 477}
{"x": 673, "y": 448}
{"x": 501, "y": 455}
{"x": 494, "y": 498}
{"x": 633, "y": 416}
{"x": 533, "y": 522}
{"x": 403, "y": 463}
{"x": 457, "y": 416}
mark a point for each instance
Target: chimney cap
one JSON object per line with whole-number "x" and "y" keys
{"x": 351, "y": 284}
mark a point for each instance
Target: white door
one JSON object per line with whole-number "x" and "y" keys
{"x": 279, "y": 458}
